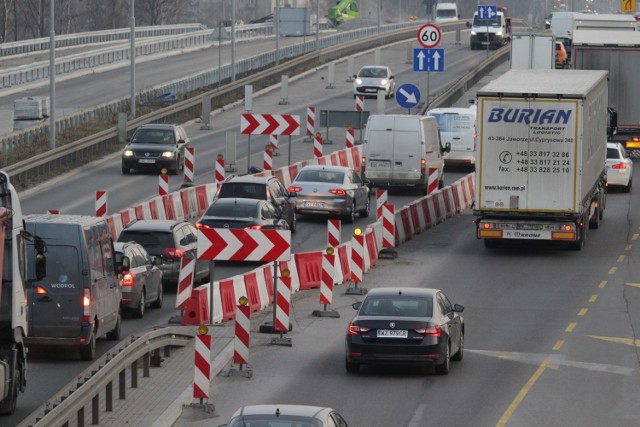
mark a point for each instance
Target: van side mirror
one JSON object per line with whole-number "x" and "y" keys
{"x": 468, "y": 24}
{"x": 447, "y": 148}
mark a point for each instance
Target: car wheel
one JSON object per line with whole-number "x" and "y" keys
{"x": 125, "y": 170}
{"x": 138, "y": 312}
{"x": 595, "y": 221}
{"x": 351, "y": 216}
{"x": 158, "y": 302}
{"x": 352, "y": 368}
{"x": 627, "y": 188}
{"x": 443, "y": 368}
{"x": 458, "y": 356}
{"x": 88, "y": 352}
{"x": 114, "y": 335}
{"x": 176, "y": 167}
{"x": 365, "y": 212}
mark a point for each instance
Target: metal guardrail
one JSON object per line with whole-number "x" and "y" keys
{"x": 75, "y": 153}
{"x": 91, "y": 37}
{"x": 69, "y": 403}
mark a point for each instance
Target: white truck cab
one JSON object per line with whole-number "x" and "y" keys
{"x": 446, "y": 12}
{"x": 490, "y": 32}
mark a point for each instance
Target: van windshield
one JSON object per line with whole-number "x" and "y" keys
{"x": 446, "y": 13}
{"x": 62, "y": 266}
{"x": 477, "y": 22}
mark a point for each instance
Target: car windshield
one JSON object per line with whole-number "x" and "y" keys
{"x": 330, "y": 177}
{"x": 153, "y": 136}
{"x": 397, "y": 306}
{"x": 274, "y": 421}
{"x": 380, "y": 73}
{"x": 243, "y": 189}
{"x": 153, "y": 241}
{"x": 232, "y": 210}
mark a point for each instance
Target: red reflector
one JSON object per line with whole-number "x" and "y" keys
{"x": 338, "y": 192}
{"x": 128, "y": 280}
{"x": 619, "y": 166}
{"x": 41, "y": 291}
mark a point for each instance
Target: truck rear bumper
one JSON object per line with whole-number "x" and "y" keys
{"x": 527, "y": 230}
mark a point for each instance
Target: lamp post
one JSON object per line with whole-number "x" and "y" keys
{"x": 132, "y": 58}
{"x": 52, "y": 78}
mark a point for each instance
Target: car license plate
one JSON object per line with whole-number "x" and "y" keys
{"x": 379, "y": 163}
{"x": 371, "y": 90}
{"x": 314, "y": 205}
{"x": 150, "y": 161}
{"x": 392, "y": 333}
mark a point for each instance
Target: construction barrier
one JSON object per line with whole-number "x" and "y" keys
{"x": 163, "y": 185}
{"x": 309, "y": 265}
{"x": 202, "y": 378}
{"x": 101, "y": 204}
{"x": 185, "y": 281}
{"x": 242, "y": 336}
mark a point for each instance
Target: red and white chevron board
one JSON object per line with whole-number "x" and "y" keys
{"x": 163, "y": 185}
{"x": 185, "y": 281}
{"x": 101, "y": 204}
{"x": 333, "y": 233}
{"x": 283, "y": 304}
{"x": 269, "y": 124}
{"x": 189, "y": 164}
{"x": 222, "y": 244}
{"x": 350, "y": 138}
{"x": 357, "y": 258}
{"x": 268, "y": 158}
{"x": 311, "y": 121}
{"x": 202, "y": 377}
{"x": 317, "y": 146}
{"x": 243, "y": 328}
{"x": 359, "y": 102}
{"x": 219, "y": 169}
{"x": 381, "y": 200}
{"x": 388, "y": 226}
{"x": 326, "y": 279}
{"x": 432, "y": 185}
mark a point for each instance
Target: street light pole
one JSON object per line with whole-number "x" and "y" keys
{"x": 132, "y": 58}
{"x": 52, "y": 78}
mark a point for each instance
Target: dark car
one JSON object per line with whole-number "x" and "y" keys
{"x": 286, "y": 416}
{"x": 169, "y": 240}
{"x": 262, "y": 188}
{"x": 405, "y": 326}
{"x": 140, "y": 278}
{"x": 155, "y": 147}
{"x": 242, "y": 213}
{"x": 330, "y": 190}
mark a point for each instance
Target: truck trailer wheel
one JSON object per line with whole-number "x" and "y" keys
{"x": 8, "y": 405}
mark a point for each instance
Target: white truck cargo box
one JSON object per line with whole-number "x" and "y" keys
{"x": 533, "y": 51}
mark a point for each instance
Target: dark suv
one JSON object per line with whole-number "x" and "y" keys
{"x": 170, "y": 240}
{"x": 262, "y": 188}
{"x": 155, "y": 147}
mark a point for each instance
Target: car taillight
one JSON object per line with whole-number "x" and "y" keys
{"x": 294, "y": 189}
{"x": 338, "y": 192}
{"x": 423, "y": 166}
{"x": 357, "y": 329}
{"x": 174, "y": 253}
{"x": 41, "y": 291}
{"x": 128, "y": 280}
{"x": 636, "y": 139}
{"x": 429, "y": 331}
{"x": 200, "y": 225}
{"x": 253, "y": 227}
{"x": 86, "y": 305}
{"x": 363, "y": 163}
{"x": 619, "y": 166}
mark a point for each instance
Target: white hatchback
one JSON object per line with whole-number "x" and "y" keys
{"x": 619, "y": 167}
{"x": 373, "y": 78}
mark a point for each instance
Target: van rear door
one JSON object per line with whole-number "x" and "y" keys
{"x": 55, "y": 302}
{"x": 408, "y": 149}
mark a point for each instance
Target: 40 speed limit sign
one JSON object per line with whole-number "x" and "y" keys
{"x": 429, "y": 36}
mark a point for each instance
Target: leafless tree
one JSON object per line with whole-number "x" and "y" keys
{"x": 158, "y": 12}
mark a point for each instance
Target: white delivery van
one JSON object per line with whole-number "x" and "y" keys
{"x": 403, "y": 150}
{"x": 458, "y": 129}
{"x": 446, "y": 12}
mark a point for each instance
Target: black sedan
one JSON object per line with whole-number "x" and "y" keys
{"x": 242, "y": 213}
{"x": 405, "y": 326}
{"x": 330, "y": 190}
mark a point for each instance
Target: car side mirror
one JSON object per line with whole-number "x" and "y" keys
{"x": 156, "y": 260}
{"x": 355, "y": 76}
{"x": 458, "y": 308}
{"x": 468, "y": 24}
{"x": 356, "y": 305}
{"x": 181, "y": 141}
{"x": 392, "y": 77}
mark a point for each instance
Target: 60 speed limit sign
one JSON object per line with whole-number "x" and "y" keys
{"x": 429, "y": 36}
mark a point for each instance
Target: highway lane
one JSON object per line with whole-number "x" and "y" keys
{"x": 74, "y": 192}
{"x": 551, "y": 337}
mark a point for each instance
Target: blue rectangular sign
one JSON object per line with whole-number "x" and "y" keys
{"x": 488, "y": 12}
{"x": 428, "y": 60}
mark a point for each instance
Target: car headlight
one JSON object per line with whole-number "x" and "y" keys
{"x": 358, "y": 81}
{"x": 499, "y": 33}
{"x": 168, "y": 154}
{"x": 128, "y": 153}
{"x": 384, "y": 82}
{"x": 473, "y": 33}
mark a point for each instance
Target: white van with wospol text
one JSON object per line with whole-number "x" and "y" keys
{"x": 457, "y": 128}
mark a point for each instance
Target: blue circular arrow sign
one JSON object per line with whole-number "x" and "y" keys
{"x": 408, "y": 95}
